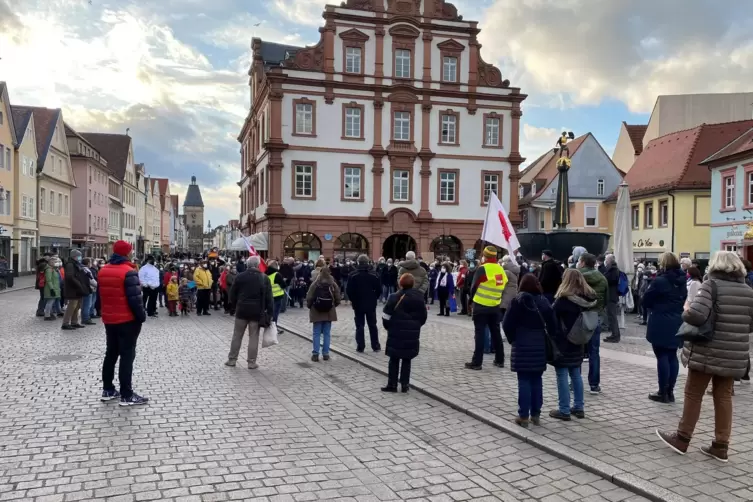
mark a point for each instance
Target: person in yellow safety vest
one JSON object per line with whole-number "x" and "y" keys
{"x": 489, "y": 282}
{"x": 278, "y": 288}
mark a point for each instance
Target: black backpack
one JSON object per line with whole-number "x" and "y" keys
{"x": 324, "y": 300}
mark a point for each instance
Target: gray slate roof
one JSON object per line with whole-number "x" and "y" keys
{"x": 193, "y": 195}
{"x": 21, "y": 117}
{"x": 273, "y": 54}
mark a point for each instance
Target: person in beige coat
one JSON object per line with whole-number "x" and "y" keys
{"x": 322, "y": 299}
{"x": 719, "y": 361}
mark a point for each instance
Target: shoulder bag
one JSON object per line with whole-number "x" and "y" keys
{"x": 553, "y": 353}
{"x": 705, "y": 332}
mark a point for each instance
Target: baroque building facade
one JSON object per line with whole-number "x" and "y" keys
{"x": 387, "y": 136}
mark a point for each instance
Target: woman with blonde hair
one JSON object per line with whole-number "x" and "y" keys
{"x": 573, "y": 297}
{"x": 665, "y": 298}
{"x": 719, "y": 360}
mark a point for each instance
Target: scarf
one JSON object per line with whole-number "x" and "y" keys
{"x": 443, "y": 280}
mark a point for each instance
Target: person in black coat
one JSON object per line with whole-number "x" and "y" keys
{"x": 403, "y": 316}
{"x": 445, "y": 289}
{"x": 574, "y": 297}
{"x": 288, "y": 275}
{"x": 363, "y": 289}
{"x": 665, "y": 298}
{"x": 612, "y": 273}
{"x": 550, "y": 275}
{"x": 527, "y": 324}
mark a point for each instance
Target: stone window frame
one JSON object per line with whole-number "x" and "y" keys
{"x": 394, "y": 168}
{"x": 442, "y": 114}
{"x": 294, "y": 164}
{"x": 343, "y": 167}
{"x": 725, "y": 175}
{"x": 500, "y": 177}
{"x": 404, "y": 37}
{"x": 500, "y": 117}
{"x": 646, "y": 223}
{"x": 355, "y": 39}
{"x": 304, "y": 101}
{"x": 663, "y": 204}
{"x": 452, "y": 49}
{"x": 345, "y": 107}
{"x": 402, "y": 107}
{"x": 748, "y": 184}
{"x": 456, "y": 200}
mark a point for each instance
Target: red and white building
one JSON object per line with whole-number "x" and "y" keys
{"x": 386, "y": 136}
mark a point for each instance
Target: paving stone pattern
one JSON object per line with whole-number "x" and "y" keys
{"x": 291, "y": 431}
{"x": 620, "y": 426}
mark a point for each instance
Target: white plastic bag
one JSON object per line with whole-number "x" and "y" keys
{"x": 269, "y": 338}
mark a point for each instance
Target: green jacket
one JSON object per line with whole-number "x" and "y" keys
{"x": 51, "y": 283}
{"x": 598, "y": 283}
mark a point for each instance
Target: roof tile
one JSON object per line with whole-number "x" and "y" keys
{"x": 636, "y": 133}
{"x": 113, "y": 147}
{"x": 45, "y": 120}
{"x": 741, "y": 145}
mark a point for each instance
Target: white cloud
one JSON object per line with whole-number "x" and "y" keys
{"x": 630, "y": 51}
{"x": 305, "y": 12}
{"x": 239, "y": 32}
{"x": 220, "y": 204}
{"x": 534, "y": 141}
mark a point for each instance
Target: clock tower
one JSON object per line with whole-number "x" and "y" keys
{"x": 193, "y": 208}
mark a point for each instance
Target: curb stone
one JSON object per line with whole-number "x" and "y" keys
{"x": 15, "y": 289}
{"x": 612, "y": 474}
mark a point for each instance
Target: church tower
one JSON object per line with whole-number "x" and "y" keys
{"x": 193, "y": 208}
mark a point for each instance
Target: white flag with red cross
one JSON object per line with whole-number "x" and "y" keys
{"x": 498, "y": 229}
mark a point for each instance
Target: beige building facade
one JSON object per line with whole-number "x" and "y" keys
{"x": 7, "y": 174}
{"x": 25, "y": 232}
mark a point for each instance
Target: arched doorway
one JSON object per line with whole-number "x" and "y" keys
{"x": 350, "y": 245}
{"x": 480, "y": 245}
{"x": 397, "y": 245}
{"x": 447, "y": 247}
{"x": 303, "y": 246}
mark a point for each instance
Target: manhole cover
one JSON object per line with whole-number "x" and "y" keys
{"x": 61, "y": 358}
{"x": 304, "y": 365}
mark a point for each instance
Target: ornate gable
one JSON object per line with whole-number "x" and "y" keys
{"x": 451, "y": 46}
{"x": 404, "y": 7}
{"x": 310, "y": 58}
{"x": 444, "y": 10}
{"x": 490, "y": 76}
{"x": 404, "y": 31}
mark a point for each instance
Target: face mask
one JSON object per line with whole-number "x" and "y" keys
{"x": 311, "y": 264}
{"x": 472, "y": 266}
{"x": 205, "y": 266}
{"x": 214, "y": 263}
{"x": 531, "y": 269}
{"x": 444, "y": 270}
{"x": 79, "y": 258}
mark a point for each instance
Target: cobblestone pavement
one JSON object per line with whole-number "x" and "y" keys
{"x": 290, "y": 431}
{"x": 19, "y": 283}
{"x": 618, "y": 434}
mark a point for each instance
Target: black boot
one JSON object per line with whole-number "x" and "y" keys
{"x": 389, "y": 388}
{"x": 659, "y": 397}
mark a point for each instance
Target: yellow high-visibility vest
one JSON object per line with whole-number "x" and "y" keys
{"x": 276, "y": 289}
{"x": 489, "y": 293}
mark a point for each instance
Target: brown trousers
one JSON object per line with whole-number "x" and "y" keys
{"x": 695, "y": 388}
{"x": 71, "y": 312}
{"x": 239, "y": 329}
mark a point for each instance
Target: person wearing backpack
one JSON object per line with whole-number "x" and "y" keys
{"x": 666, "y": 300}
{"x": 322, "y": 299}
{"x": 575, "y": 307}
{"x": 612, "y": 273}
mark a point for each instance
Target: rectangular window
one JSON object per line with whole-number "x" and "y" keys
{"x": 2, "y": 161}
{"x": 352, "y": 122}
{"x": 304, "y": 118}
{"x": 304, "y": 181}
{"x": 402, "y": 63}
{"x": 7, "y": 159}
{"x": 353, "y": 60}
{"x": 352, "y": 183}
{"x": 24, "y": 204}
{"x": 600, "y": 188}
{"x": 491, "y": 184}
{"x": 542, "y": 219}
{"x": 731, "y": 247}
{"x": 449, "y": 69}
{"x": 65, "y": 206}
{"x": 447, "y": 187}
{"x": 60, "y": 204}
{"x": 728, "y": 201}
{"x": 402, "y": 126}
{"x": 663, "y": 213}
{"x": 449, "y": 129}
{"x": 636, "y": 217}
{"x": 591, "y": 214}
{"x": 52, "y": 202}
{"x": 32, "y": 207}
{"x": 491, "y": 132}
{"x": 401, "y": 186}
{"x": 42, "y": 199}
{"x": 648, "y": 211}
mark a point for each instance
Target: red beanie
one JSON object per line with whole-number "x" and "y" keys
{"x": 122, "y": 248}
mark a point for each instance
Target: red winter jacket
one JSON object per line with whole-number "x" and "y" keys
{"x": 223, "y": 280}
{"x": 120, "y": 292}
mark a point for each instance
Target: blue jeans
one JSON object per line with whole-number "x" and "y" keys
{"x": 92, "y": 305}
{"x": 487, "y": 341}
{"x": 86, "y": 308}
{"x": 594, "y": 360}
{"x": 667, "y": 368}
{"x": 563, "y": 389}
{"x": 278, "y": 306}
{"x": 530, "y": 394}
{"x": 322, "y": 328}
{"x": 285, "y": 300}
{"x": 344, "y": 289}
{"x": 387, "y": 291}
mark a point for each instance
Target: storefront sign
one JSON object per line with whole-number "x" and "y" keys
{"x": 643, "y": 243}
{"x": 736, "y": 233}
{"x": 684, "y": 255}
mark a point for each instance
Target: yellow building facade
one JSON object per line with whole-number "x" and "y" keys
{"x": 8, "y": 175}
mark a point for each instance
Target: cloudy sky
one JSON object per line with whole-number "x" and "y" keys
{"x": 174, "y": 71}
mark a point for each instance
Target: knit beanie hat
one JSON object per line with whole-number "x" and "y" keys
{"x": 122, "y": 248}
{"x": 490, "y": 252}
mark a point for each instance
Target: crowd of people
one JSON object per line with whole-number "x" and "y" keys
{"x": 551, "y": 314}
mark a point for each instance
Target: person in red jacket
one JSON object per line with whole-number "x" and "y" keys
{"x": 123, "y": 315}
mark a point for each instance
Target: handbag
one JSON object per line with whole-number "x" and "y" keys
{"x": 553, "y": 353}
{"x": 269, "y": 338}
{"x": 705, "y": 332}
{"x": 453, "y": 304}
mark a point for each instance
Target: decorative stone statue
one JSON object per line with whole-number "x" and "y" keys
{"x": 562, "y": 205}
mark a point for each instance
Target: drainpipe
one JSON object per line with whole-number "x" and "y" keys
{"x": 672, "y": 194}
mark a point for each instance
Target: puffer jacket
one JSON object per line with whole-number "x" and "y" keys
{"x": 727, "y": 354}
{"x": 665, "y": 299}
{"x": 403, "y": 316}
{"x": 420, "y": 277}
{"x": 527, "y": 333}
{"x": 567, "y": 309}
{"x": 512, "y": 270}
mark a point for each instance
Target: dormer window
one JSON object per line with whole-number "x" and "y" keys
{"x": 533, "y": 188}
{"x": 522, "y": 191}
